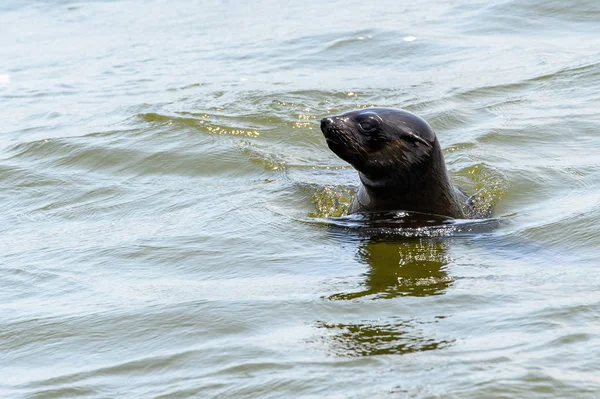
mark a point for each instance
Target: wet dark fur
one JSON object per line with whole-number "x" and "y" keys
{"x": 399, "y": 161}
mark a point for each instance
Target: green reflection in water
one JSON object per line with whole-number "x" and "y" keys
{"x": 330, "y": 201}
{"x": 415, "y": 267}
{"x": 407, "y": 268}
{"x": 369, "y": 339}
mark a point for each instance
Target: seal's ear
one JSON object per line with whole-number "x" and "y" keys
{"x": 415, "y": 139}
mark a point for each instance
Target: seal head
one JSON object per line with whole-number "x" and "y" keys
{"x": 399, "y": 162}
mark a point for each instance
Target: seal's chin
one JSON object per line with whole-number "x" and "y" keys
{"x": 345, "y": 150}
{"x": 341, "y": 149}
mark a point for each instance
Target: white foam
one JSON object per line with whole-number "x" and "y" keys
{"x": 409, "y": 38}
{"x": 4, "y": 78}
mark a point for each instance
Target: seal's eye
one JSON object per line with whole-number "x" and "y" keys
{"x": 367, "y": 126}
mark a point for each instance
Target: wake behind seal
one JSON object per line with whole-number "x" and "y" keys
{"x": 399, "y": 162}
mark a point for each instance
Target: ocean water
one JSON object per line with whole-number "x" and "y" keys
{"x": 172, "y": 222}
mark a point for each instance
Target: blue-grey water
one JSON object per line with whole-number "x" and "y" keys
{"x": 172, "y": 222}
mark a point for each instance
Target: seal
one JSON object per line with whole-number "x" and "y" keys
{"x": 399, "y": 162}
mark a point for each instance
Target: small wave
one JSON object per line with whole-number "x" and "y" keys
{"x": 201, "y": 123}
{"x": 390, "y": 225}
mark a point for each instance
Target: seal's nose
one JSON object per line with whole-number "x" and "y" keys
{"x": 325, "y": 123}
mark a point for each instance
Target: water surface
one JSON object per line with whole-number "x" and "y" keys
{"x": 167, "y": 199}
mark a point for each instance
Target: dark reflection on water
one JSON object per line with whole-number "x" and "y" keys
{"x": 373, "y": 338}
{"x": 413, "y": 267}
{"x": 405, "y": 252}
{"x": 405, "y": 256}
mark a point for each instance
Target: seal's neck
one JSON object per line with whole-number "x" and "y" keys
{"x": 426, "y": 189}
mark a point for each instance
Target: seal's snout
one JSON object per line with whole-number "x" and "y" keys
{"x": 326, "y": 123}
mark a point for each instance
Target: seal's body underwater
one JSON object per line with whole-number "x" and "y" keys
{"x": 399, "y": 161}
